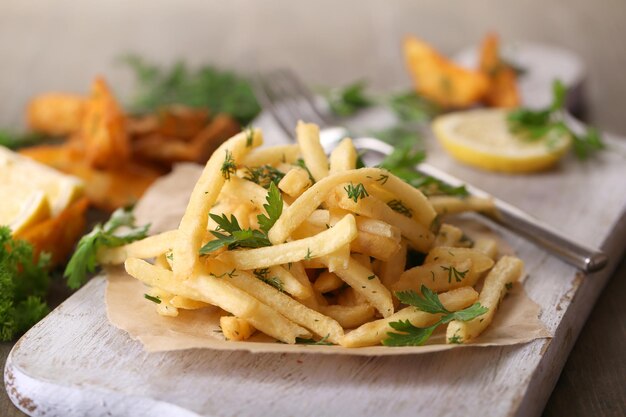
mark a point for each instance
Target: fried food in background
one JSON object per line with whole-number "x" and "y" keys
{"x": 119, "y": 155}
{"x": 56, "y": 114}
{"x": 451, "y": 86}
{"x": 503, "y": 91}
{"x": 57, "y": 235}
{"x": 441, "y": 80}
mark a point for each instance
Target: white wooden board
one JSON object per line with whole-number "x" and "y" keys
{"x": 74, "y": 363}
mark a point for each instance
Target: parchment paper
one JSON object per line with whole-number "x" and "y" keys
{"x": 163, "y": 205}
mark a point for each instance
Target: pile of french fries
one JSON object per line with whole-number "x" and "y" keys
{"x": 335, "y": 258}
{"x": 119, "y": 155}
{"x": 493, "y": 83}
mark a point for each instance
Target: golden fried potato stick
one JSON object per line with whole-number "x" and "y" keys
{"x": 438, "y": 276}
{"x": 445, "y": 204}
{"x": 343, "y": 157}
{"x": 236, "y": 328}
{"x": 350, "y": 317}
{"x": 56, "y": 114}
{"x": 448, "y": 235}
{"x": 480, "y": 261}
{"x": 149, "y": 247}
{"x": 219, "y": 292}
{"x": 308, "y": 136}
{"x": 374, "y": 332}
{"x": 441, "y": 80}
{"x": 295, "y": 182}
{"x": 367, "y": 284}
{"x": 194, "y": 222}
{"x": 272, "y": 155}
{"x": 506, "y": 271}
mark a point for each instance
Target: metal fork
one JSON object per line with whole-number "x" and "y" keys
{"x": 289, "y": 100}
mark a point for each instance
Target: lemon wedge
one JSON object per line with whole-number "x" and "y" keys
{"x": 25, "y": 176}
{"x": 481, "y": 138}
{"x": 21, "y": 208}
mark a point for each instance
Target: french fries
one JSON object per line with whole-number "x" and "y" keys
{"x": 312, "y": 257}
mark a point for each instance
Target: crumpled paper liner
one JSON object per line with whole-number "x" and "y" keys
{"x": 163, "y": 205}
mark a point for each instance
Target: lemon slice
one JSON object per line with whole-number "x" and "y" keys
{"x": 28, "y": 176}
{"x": 21, "y": 208}
{"x": 481, "y": 138}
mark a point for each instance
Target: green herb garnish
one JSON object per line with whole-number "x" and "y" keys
{"x": 549, "y": 124}
{"x": 397, "y": 205}
{"x": 156, "y": 300}
{"x": 428, "y": 302}
{"x": 454, "y": 273}
{"x": 356, "y": 192}
{"x": 264, "y": 175}
{"x": 84, "y": 259}
{"x": 263, "y": 275}
{"x": 208, "y": 87}
{"x": 348, "y": 100}
{"x": 23, "y": 285}
{"x": 228, "y": 166}
{"x": 411, "y": 107}
{"x": 230, "y": 234}
{"x": 322, "y": 341}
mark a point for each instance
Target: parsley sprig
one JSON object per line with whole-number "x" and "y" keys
{"x": 402, "y": 161}
{"x": 549, "y": 123}
{"x": 347, "y": 100}
{"x": 230, "y": 234}
{"x": 428, "y": 302}
{"x": 356, "y": 192}
{"x": 119, "y": 230}
{"x": 264, "y": 175}
{"x": 23, "y": 285}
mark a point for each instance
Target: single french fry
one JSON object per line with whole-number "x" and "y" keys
{"x": 379, "y": 228}
{"x": 291, "y": 309}
{"x": 327, "y": 282}
{"x": 487, "y": 246}
{"x": 366, "y": 283}
{"x": 308, "y": 136}
{"x": 350, "y": 317}
{"x": 438, "y": 276}
{"x": 376, "y": 246}
{"x": 291, "y": 285}
{"x": 150, "y": 247}
{"x": 163, "y": 307}
{"x": 272, "y": 155}
{"x": 391, "y": 270}
{"x": 340, "y": 258}
{"x": 193, "y": 224}
{"x": 506, "y": 271}
{"x": 321, "y": 244}
{"x": 236, "y": 328}
{"x": 162, "y": 261}
{"x": 219, "y": 292}
{"x": 480, "y": 261}
{"x": 374, "y": 332}
{"x": 295, "y": 182}
{"x": 445, "y": 204}
{"x": 448, "y": 235}
{"x": 310, "y": 200}
{"x": 343, "y": 157}
{"x": 185, "y": 303}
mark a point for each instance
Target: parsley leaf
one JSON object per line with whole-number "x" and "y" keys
{"x": 428, "y": 302}
{"x": 348, "y": 100}
{"x": 230, "y": 234}
{"x": 23, "y": 285}
{"x": 411, "y": 107}
{"x": 206, "y": 86}
{"x": 274, "y": 209}
{"x": 264, "y": 175}
{"x": 549, "y": 123}
{"x": 84, "y": 259}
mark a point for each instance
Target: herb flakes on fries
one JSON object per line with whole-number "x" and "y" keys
{"x": 320, "y": 258}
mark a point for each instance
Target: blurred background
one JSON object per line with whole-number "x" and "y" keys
{"x": 60, "y": 45}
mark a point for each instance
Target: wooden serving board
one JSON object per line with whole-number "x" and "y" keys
{"x": 74, "y": 363}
